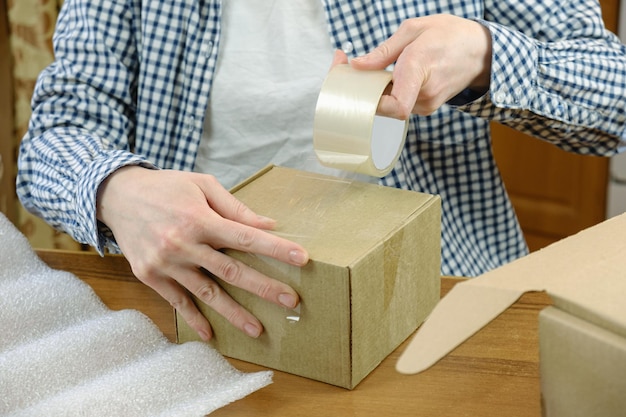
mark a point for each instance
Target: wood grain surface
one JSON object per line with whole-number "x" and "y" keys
{"x": 494, "y": 373}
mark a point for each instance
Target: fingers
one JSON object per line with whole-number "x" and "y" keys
{"x": 224, "y": 203}
{"x": 386, "y": 53}
{"x": 230, "y": 234}
{"x": 339, "y": 57}
{"x": 233, "y": 225}
{"x": 237, "y": 274}
{"x": 240, "y": 275}
{"x": 436, "y": 57}
{"x": 408, "y": 74}
{"x": 402, "y": 99}
{"x": 180, "y": 300}
{"x": 210, "y": 293}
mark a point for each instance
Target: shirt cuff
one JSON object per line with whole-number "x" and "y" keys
{"x": 88, "y": 229}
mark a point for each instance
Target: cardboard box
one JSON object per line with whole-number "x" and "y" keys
{"x": 584, "y": 273}
{"x": 582, "y": 338}
{"x": 372, "y": 279}
{"x": 583, "y": 365}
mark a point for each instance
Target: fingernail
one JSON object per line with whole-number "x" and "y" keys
{"x": 298, "y": 257}
{"x": 266, "y": 220}
{"x": 288, "y": 300}
{"x": 252, "y": 330}
{"x": 204, "y": 335}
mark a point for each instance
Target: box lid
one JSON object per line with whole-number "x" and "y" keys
{"x": 585, "y": 274}
{"x": 333, "y": 209}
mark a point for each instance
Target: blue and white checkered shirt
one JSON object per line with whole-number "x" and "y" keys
{"x": 132, "y": 79}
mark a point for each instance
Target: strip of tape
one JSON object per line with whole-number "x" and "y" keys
{"x": 347, "y": 133}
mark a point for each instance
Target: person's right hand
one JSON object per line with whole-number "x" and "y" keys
{"x": 171, "y": 224}
{"x": 436, "y": 57}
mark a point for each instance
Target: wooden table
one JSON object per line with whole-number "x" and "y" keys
{"x": 494, "y": 373}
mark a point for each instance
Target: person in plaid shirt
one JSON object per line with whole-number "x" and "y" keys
{"x": 152, "y": 108}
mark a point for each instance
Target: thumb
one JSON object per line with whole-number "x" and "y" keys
{"x": 379, "y": 58}
{"x": 339, "y": 58}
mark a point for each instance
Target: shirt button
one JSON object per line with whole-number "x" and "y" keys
{"x": 500, "y": 97}
{"x": 191, "y": 124}
{"x": 347, "y": 47}
{"x": 207, "y": 48}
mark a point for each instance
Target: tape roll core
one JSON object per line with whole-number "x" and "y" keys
{"x": 347, "y": 133}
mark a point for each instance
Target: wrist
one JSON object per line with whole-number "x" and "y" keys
{"x": 483, "y": 56}
{"x": 112, "y": 187}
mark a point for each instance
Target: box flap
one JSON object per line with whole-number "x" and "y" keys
{"x": 585, "y": 274}
{"x": 333, "y": 210}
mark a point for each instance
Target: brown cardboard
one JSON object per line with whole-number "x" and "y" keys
{"x": 584, "y": 275}
{"x": 583, "y": 367}
{"x": 372, "y": 279}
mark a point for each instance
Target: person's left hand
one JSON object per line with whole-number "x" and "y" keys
{"x": 436, "y": 58}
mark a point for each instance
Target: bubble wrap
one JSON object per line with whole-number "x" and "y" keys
{"x": 64, "y": 353}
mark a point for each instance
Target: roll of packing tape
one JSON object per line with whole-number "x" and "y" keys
{"x": 347, "y": 133}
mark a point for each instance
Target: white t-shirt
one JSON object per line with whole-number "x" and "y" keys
{"x": 274, "y": 56}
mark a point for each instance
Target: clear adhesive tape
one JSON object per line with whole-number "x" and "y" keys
{"x": 347, "y": 133}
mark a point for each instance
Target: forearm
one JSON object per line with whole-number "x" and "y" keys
{"x": 566, "y": 90}
{"x": 58, "y": 177}
{"x": 82, "y": 125}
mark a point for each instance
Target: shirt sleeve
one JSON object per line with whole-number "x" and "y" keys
{"x": 82, "y": 121}
{"x": 557, "y": 74}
